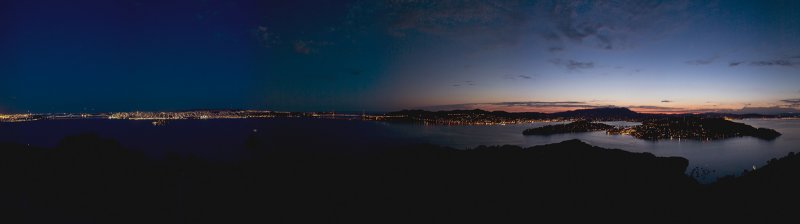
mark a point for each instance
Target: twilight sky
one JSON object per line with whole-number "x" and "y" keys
{"x": 651, "y": 56}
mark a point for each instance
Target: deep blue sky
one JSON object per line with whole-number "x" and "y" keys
{"x": 670, "y": 56}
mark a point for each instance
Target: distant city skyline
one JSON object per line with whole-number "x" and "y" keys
{"x": 541, "y": 56}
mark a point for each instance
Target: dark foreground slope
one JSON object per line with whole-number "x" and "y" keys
{"x": 769, "y": 194}
{"x": 93, "y": 180}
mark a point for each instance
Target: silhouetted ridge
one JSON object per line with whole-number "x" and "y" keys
{"x": 88, "y": 179}
{"x": 766, "y": 194}
{"x": 609, "y": 113}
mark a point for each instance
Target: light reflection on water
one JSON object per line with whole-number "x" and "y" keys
{"x": 719, "y": 158}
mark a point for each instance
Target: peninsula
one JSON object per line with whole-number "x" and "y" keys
{"x": 699, "y": 129}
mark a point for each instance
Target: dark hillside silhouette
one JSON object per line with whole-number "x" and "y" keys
{"x": 607, "y": 114}
{"x": 87, "y": 179}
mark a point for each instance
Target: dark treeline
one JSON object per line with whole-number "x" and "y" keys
{"x": 87, "y": 179}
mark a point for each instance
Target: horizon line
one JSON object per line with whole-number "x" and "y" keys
{"x": 632, "y": 109}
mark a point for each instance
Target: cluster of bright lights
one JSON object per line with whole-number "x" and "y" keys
{"x": 16, "y": 117}
{"x": 202, "y": 115}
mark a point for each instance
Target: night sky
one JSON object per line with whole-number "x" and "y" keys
{"x": 671, "y": 56}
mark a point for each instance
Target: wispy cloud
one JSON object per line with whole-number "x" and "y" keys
{"x": 792, "y": 102}
{"x": 777, "y": 62}
{"x": 572, "y": 65}
{"x": 455, "y": 19}
{"x": 784, "y": 61}
{"x": 353, "y": 71}
{"x": 654, "y": 107}
{"x": 610, "y": 24}
{"x": 705, "y": 61}
{"x": 463, "y": 83}
{"x": 600, "y": 24}
{"x": 666, "y": 101}
{"x": 309, "y": 46}
{"x": 514, "y": 77}
{"x": 301, "y": 47}
{"x": 267, "y": 38}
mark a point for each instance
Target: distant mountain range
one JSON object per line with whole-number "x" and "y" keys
{"x": 609, "y": 113}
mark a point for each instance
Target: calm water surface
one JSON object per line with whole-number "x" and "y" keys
{"x": 224, "y": 139}
{"x": 711, "y": 158}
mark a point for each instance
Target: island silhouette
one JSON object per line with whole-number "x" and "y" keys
{"x": 686, "y": 127}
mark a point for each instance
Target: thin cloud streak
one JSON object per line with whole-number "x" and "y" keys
{"x": 572, "y": 65}
{"x": 706, "y": 61}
